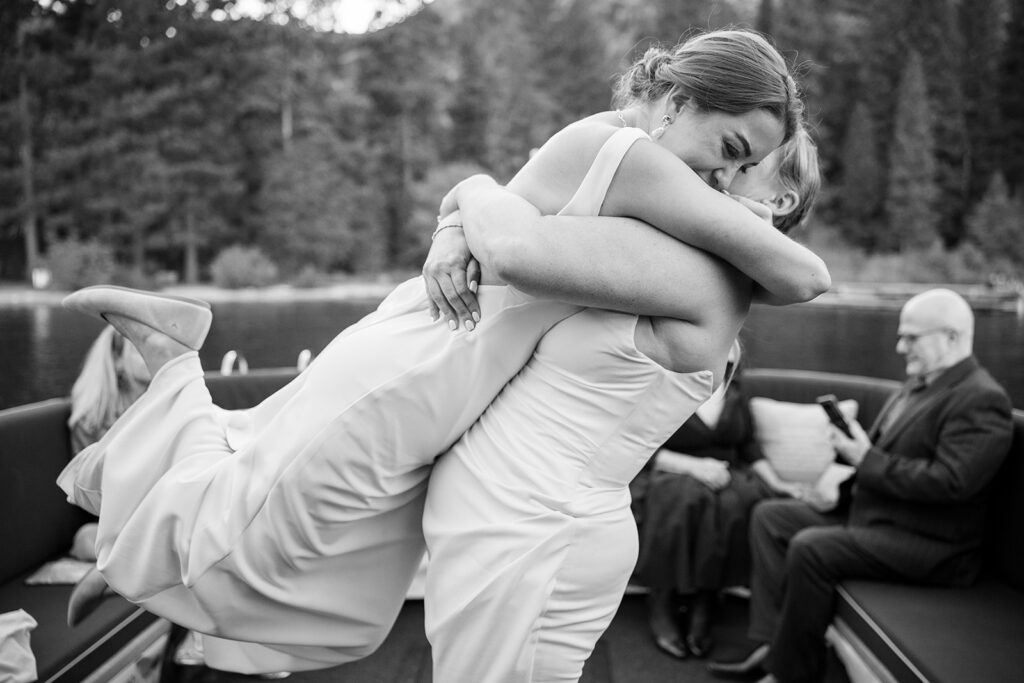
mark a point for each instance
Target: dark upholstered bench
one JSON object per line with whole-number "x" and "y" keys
{"x": 38, "y": 525}
{"x": 904, "y": 633}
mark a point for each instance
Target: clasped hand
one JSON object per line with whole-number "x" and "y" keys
{"x": 450, "y": 273}
{"x": 712, "y": 473}
{"x": 451, "y": 276}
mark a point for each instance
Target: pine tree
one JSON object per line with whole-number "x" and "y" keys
{"x": 911, "y": 203}
{"x": 309, "y": 204}
{"x": 861, "y": 193}
{"x": 820, "y": 40}
{"x": 930, "y": 28}
{"x": 575, "y": 75}
{"x": 519, "y": 109}
{"x": 24, "y": 210}
{"x": 943, "y": 42}
{"x": 401, "y": 74}
{"x": 1011, "y": 132}
{"x": 670, "y": 21}
{"x": 766, "y": 17}
{"x": 468, "y": 112}
{"x": 982, "y": 22}
{"x": 997, "y": 222}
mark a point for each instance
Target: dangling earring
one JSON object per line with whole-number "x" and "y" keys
{"x": 666, "y": 121}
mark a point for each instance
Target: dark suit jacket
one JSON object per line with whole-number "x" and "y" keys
{"x": 922, "y": 488}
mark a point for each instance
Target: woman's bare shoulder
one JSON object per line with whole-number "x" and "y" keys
{"x": 551, "y": 176}
{"x": 580, "y": 140}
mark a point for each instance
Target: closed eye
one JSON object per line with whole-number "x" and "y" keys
{"x": 737, "y": 151}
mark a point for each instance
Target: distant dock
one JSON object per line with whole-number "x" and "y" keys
{"x": 892, "y": 295}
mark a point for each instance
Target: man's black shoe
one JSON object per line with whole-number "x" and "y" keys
{"x": 748, "y": 669}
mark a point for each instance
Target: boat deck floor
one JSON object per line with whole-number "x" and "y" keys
{"x": 625, "y": 654}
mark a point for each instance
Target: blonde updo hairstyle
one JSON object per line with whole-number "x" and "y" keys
{"x": 734, "y": 71}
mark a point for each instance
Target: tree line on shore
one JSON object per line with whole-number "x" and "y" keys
{"x": 178, "y": 137}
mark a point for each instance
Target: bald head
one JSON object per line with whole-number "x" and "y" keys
{"x": 936, "y": 331}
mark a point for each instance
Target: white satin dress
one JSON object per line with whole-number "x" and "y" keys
{"x": 297, "y": 524}
{"x": 288, "y": 534}
{"x": 529, "y": 532}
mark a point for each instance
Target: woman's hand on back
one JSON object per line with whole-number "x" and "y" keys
{"x": 451, "y": 276}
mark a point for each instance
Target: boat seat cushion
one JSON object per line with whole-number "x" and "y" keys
{"x": 39, "y": 526}
{"x": 925, "y": 633}
{"x": 794, "y": 436}
{"x": 58, "y": 646}
{"x": 34, "y": 448}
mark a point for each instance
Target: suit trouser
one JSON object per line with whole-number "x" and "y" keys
{"x": 799, "y": 555}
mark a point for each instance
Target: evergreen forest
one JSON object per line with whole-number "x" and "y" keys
{"x": 149, "y": 142}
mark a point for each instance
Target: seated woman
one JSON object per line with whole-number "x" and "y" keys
{"x": 694, "y": 502}
{"x": 112, "y": 377}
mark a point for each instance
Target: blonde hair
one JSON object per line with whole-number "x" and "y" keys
{"x": 798, "y": 171}
{"x": 102, "y": 390}
{"x": 734, "y": 71}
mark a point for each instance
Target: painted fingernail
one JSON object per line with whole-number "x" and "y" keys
{"x": 476, "y": 316}
{"x": 452, "y": 325}
{"x": 470, "y": 325}
{"x": 473, "y": 286}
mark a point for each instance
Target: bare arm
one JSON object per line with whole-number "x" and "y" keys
{"x": 588, "y": 261}
{"x": 656, "y": 187}
{"x": 712, "y": 473}
{"x": 615, "y": 263}
{"x": 605, "y": 262}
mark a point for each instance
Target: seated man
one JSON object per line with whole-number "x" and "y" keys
{"x": 918, "y": 500}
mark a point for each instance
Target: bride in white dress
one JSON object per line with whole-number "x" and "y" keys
{"x": 295, "y": 526}
{"x": 528, "y": 523}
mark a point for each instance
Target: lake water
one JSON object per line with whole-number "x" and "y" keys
{"x": 42, "y": 345}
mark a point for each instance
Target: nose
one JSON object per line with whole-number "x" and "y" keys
{"x": 721, "y": 178}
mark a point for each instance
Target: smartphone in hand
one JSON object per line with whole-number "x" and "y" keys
{"x": 835, "y": 416}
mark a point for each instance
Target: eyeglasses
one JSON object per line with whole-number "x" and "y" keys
{"x": 911, "y": 338}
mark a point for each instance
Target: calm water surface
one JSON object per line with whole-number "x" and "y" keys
{"x": 41, "y": 346}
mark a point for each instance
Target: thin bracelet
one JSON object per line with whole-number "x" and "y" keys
{"x": 445, "y": 227}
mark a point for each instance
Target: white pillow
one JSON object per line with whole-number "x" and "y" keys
{"x": 793, "y": 438}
